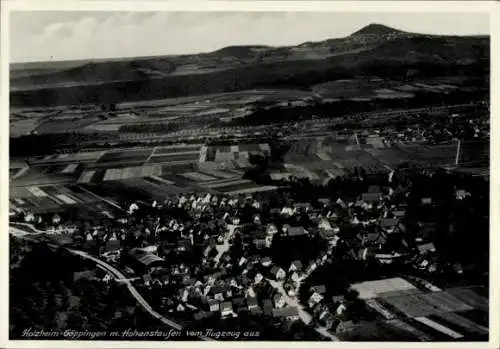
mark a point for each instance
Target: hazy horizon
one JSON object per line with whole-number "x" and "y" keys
{"x": 38, "y": 36}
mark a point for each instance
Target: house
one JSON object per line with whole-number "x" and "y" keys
{"x": 345, "y": 326}
{"x": 461, "y": 194}
{"x": 289, "y": 289}
{"x": 325, "y": 224}
{"x": 322, "y": 257}
{"x": 226, "y": 309}
{"x": 317, "y": 309}
{"x": 337, "y": 299}
{"x": 278, "y": 273}
{"x": 266, "y": 261}
{"x": 371, "y": 238}
{"x": 279, "y": 300}
{"x": 207, "y": 250}
{"x": 370, "y": 197}
{"x": 260, "y": 243}
{"x": 180, "y": 307}
{"x": 144, "y": 260}
{"x": 374, "y": 189}
{"x": 202, "y": 315}
{"x": 242, "y": 261}
{"x": 238, "y": 302}
{"x": 296, "y": 276}
{"x": 220, "y": 292}
{"x": 188, "y": 281}
{"x": 327, "y": 235}
{"x": 324, "y": 201}
{"x": 388, "y": 224}
{"x": 249, "y": 292}
{"x": 321, "y": 289}
{"x": 314, "y": 299}
{"x": 225, "y": 257}
{"x": 365, "y": 252}
{"x": 267, "y": 307}
{"x": 258, "y": 278}
{"x": 252, "y": 303}
{"x": 287, "y": 211}
{"x": 341, "y": 308}
{"x": 256, "y": 219}
{"x": 426, "y": 201}
{"x": 86, "y": 274}
{"x": 296, "y": 232}
{"x": 326, "y": 319}
{"x": 256, "y": 311}
{"x": 268, "y": 241}
{"x": 271, "y": 229}
{"x": 457, "y": 267}
{"x": 295, "y": 266}
{"x": 147, "y": 279}
{"x": 302, "y": 206}
{"x": 288, "y": 313}
{"x": 426, "y": 248}
{"x": 312, "y": 266}
{"x": 398, "y": 214}
{"x": 254, "y": 259}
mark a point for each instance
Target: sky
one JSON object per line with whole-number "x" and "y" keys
{"x": 63, "y": 35}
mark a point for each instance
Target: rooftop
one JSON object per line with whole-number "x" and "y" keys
{"x": 285, "y": 312}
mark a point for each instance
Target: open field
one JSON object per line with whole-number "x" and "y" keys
{"x": 162, "y": 150}
{"x": 64, "y": 126}
{"x": 19, "y": 127}
{"x": 371, "y": 289}
{"x": 425, "y": 304}
{"x": 125, "y": 156}
{"x": 51, "y": 198}
{"x": 469, "y": 296}
{"x": 175, "y": 157}
{"x": 461, "y": 323}
{"x": 132, "y": 172}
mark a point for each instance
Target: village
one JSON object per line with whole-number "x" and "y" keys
{"x": 202, "y": 257}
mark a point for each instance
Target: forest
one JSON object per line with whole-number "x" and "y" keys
{"x": 45, "y": 295}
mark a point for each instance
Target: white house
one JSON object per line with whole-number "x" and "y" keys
{"x": 296, "y": 276}
{"x": 340, "y": 309}
{"x": 226, "y": 309}
{"x": 278, "y": 273}
{"x": 271, "y": 229}
{"x": 266, "y": 261}
{"x": 258, "y": 278}
{"x": 314, "y": 299}
{"x": 295, "y": 266}
{"x": 279, "y": 301}
{"x": 213, "y": 305}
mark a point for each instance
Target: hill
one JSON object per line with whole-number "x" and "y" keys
{"x": 377, "y": 29}
{"x": 241, "y": 67}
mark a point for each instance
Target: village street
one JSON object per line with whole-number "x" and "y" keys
{"x": 303, "y": 314}
{"x": 224, "y": 247}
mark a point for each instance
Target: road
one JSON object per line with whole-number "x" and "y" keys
{"x": 303, "y": 314}
{"x": 292, "y": 301}
{"x": 224, "y": 247}
{"x": 109, "y": 202}
{"x": 117, "y": 274}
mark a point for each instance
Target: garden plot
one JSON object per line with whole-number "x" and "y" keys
{"x": 132, "y": 172}
{"x": 425, "y": 304}
{"x": 197, "y": 176}
{"x": 125, "y": 156}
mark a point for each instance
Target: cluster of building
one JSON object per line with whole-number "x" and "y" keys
{"x": 207, "y": 255}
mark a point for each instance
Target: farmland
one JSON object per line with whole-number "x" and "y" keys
{"x": 425, "y": 304}
{"x": 54, "y": 198}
